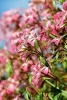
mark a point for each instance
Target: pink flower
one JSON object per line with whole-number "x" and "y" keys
{"x": 8, "y": 20}
{"x": 30, "y": 19}
{"x": 16, "y": 98}
{"x": 11, "y": 89}
{"x": 24, "y": 67}
{"x": 56, "y": 41}
{"x": 64, "y": 5}
{"x": 31, "y": 42}
{"x": 16, "y": 74}
{"x": 13, "y": 49}
{"x": 30, "y": 62}
{"x": 57, "y": 16}
{"x": 43, "y": 38}
{"x": 2, "y": 59}
{"x": 15, "y": 17}
{"x": 46, "y": 70}
{"x": 54, "y": 32}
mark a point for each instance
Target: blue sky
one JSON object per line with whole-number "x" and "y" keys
{"x": 12, "y": 4}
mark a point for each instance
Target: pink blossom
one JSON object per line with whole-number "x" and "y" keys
{"x": 24, "y": 67}
{"x": 64, "y": 5}
{"x": 30, "y": 62}
{"x": 54, "y": 32}
{"x": 15, "y": 17}
{"x": 11, "y": 89}
{"x": 13, "y": 49}
{"x": 16, "y": 98}
{"x": 45, "y": 71}
{"x": 43, "y": 38}
{"x": 56, "y": 41}
{"x": 2, "y": 59}
{"x": 8, "y": 20}
{"x": 57, "y": 16}
{"x": 21, "y": 32}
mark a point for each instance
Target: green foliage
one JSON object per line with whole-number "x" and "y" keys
{"x": 36, "y": 45}
{"x": 40, "y": 95}
{"x": 61, "y": 1}
{"x": 30, "y": 78}
{"x": 42, "y": 60}
{"x": 9, "y": 69}
{"x": 58, "y": 97}
{"x": 27, "y": 95}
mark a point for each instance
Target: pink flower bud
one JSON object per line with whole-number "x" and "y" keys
{"x": 45, "y": 71}
{"x": 30, "y": 62}
{"x": 54, "y": 32}
{"x": 24, "y": 67}
{"x": 2, "y": 59}
{"x": 56, "y": 41}
{"x": 11, "y": 89}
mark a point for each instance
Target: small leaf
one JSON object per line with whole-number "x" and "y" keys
{"x": 57, "y": 56}
{"x": 58, "y": 97}
{"x": 52, "y": 36}
{"x": 42, "y": 60}
{"x": 64, "y": 93}
{"x": 27, "y": 95}
{"x": 65, "y": 46}
{"x": 30, "y": 79}
{"x": 64, "y": 64}
{"x": 9, "y": 69}
{"x": 44, "y": 43}
{"x": 50, "y": 95}
{"x": 36, "y": 44}
{"x": 61, "y": 1}
{"x": 54, "y": 2}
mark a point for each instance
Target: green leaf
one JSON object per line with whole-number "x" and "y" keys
{"x": 58, "y": 97}
{"x": 39, "y": 97}
{"x": 52, "y": 36}
{"x": 64, "y": 93}
{"x": 65, "y": 46}
{"x": 9, "y": 69}
{"x": 61, "y": 1}
{"x": 63, "y": 25}
{"x": 30, "y": 79}
{"x": 42, "y": 60}
{"x": 36, "y": 45}
{"x": 27, "y": 95}
{"x": 44, "y": 43}
{"x": 57, "y": 55}
{"x": 54, "y": 3}
{"x": 43, "y": 88}
{"x": 64, "y": 64}
{"x": 50, "y": 95}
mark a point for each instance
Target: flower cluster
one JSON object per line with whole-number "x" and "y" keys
{"x": 34, "y": 54}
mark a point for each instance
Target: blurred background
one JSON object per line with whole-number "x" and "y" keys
{"x": 6, "y": 5}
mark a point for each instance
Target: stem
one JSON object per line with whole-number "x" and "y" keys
{"x": 47, "y": 64}
{"x": 35, "y": 89}
{"x": 52, "y": 85}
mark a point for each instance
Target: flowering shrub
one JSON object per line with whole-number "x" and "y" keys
{"x": 33, "y": 61}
